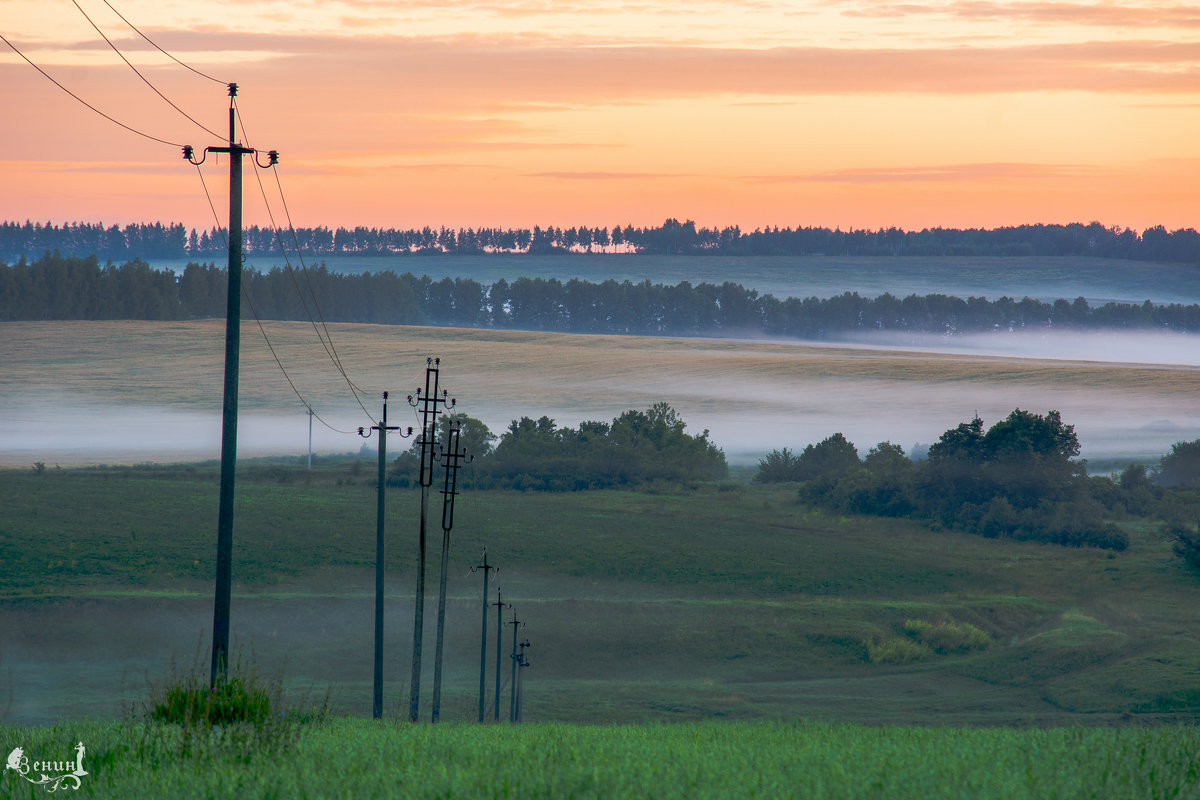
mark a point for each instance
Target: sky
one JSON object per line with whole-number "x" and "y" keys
{"x": 838, "y": 113}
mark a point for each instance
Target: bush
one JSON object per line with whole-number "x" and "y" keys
{"x": 238, "y": 717}
{"x": 1016, "y": 480}
{"x": 946, "y": 636}
{"x": 777, "y": 466}
{"x": 1181, "y": 466}
{"x": 894, "y": 650}
{"x": 1187, "y": 545}
{"x": 193, "y": 702}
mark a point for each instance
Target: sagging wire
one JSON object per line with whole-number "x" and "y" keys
{"x": 262, "y": 330}
{"x": 327, "y": 339}
{"x": 113, "y": 120}
{"x": 159, "y": 49}
{"x": 145, "y": 80}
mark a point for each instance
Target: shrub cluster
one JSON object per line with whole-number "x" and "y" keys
{"x": 637, "y": 448}
{"x": 1018, "y": 479}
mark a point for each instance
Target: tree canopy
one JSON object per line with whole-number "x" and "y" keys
{"x": 1019, "y": 478}
{"x": 156, "y": 240}
{"x": 70, "y": 287}
{"x": 636, "y": 448}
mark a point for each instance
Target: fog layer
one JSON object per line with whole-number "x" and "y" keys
{"x": 75, "y": 398}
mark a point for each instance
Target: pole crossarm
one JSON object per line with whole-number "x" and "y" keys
{"x": 233, "y": 148}
{"x": 453, "y": 459}
{"x": 428, "y": 404}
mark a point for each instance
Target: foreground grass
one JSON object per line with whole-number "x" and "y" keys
{"x": 361, "y": 758}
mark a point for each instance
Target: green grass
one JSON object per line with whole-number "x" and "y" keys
{"x": 799, "y": 654}
{"x": 361, "y": 758}
{"x": 739, "y": 604}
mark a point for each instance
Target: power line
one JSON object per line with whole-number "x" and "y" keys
{"x": 145, "y": 80}
{"x": 304, "y": 303}
{"x": 262, "y": 330}
{"x": 303, "y": 402}
{"x": 333, "y": 354}
{"x": 307, "y": 280}
{"x": 327, "y": 339}
{"x": 159, "y": 49}
{"x": 113, "y": 120}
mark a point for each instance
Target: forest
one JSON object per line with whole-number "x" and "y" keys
{"x": 155, "y": 240}
{"x": 58, "y": 287}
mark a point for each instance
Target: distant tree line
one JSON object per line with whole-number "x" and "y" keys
{"x": 155, "y": 240}
{"x": 1018, "y": 479}
{"x": 68, "y": 287}
{"x": 635, "y": 449}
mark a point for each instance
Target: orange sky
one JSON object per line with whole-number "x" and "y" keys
{"x": 439, "y": 112}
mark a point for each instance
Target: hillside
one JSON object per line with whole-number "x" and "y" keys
{"x": 728, "y": 601}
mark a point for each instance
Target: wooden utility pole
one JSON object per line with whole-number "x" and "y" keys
{"x": 428, "y": 404}
{"x": 522, "y": 663}
{"x": 500, "y": 606}
{"x": 483, "y": 637}
{"x": 512, "y": 701}
{"x": 383, "y": 428}
{"x": 452, "y": 457}
{"x": 229, "y": 410}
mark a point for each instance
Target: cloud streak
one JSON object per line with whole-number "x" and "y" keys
{"x": 511, "y": 71}
{"x": 945, "y": 173}
{"x": 1120, "y": 17}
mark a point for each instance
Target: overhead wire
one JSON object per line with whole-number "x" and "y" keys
{"x": 307, "y": 280}
{"x": 333, "y": 354}
{"x": 164, "y": 52}
{"x": 329, "y": 348}
{"x": 113, "y": 120}
{"x": 327, "y": 339}
{"x": 137, "y": 72}
{"x": 261, "y": 328}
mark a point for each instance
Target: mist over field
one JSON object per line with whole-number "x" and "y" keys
{"x": 1130, "y": 396}
{"x": 1115, "y": 347}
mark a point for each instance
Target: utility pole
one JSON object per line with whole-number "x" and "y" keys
{"x": 512, "y": 701}
{"x": 500, "y": 606}
{"x": 229, "y": 411}
{"x": 483, "y": 637}
{"x": 428, "y": 404}
{"x": 452, "y": 456}
{"x": 310, "y": 416}
{"x": 522, "y": 663}
{"x": 383, "y": 428}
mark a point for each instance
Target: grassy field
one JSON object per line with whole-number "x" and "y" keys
{"x": 728, "y": 601}
{"x": 802, "y": 653}
{"x": 359, "y": 758}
